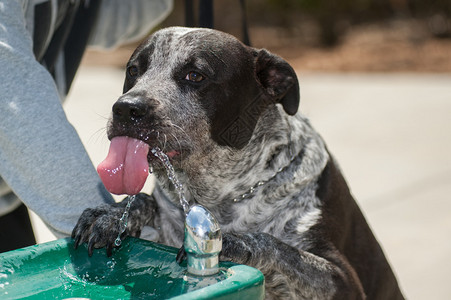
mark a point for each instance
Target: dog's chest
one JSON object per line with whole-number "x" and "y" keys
{"x": 286, "y": 218}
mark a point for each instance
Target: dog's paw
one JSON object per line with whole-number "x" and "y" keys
{"x": 98, "y": 227}
{"x": 248, "y": 248}
{"x": 235, "y": 248}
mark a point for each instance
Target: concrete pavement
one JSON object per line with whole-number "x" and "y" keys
{"x": 391, "y": 134}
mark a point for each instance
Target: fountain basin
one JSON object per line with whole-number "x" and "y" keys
{"x": 139, "y": 269}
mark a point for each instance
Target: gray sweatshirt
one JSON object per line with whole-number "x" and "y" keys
{"x": 42, "y": 160}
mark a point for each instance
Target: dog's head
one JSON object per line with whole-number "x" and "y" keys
{"x": 187, "y": 90}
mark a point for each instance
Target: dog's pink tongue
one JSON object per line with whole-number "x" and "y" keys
{"x": 125, "y": 169}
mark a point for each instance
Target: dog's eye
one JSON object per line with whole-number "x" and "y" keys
{"x": 132, "y": 71}
{"x": 194, "y": 77}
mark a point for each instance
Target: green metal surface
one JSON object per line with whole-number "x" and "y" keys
{"x": 137, "y": 270}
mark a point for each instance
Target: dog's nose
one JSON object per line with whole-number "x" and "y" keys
{"x": 129, "y": 108}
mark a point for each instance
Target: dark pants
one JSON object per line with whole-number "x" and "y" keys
{"x": 15, "y": 230}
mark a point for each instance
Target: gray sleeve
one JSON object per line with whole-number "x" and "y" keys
{"x": 123, "y": 22}
{"x": 41, "y": 156}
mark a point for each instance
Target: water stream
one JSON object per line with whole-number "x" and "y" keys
{"x": 172, "y": 177}
{"x": 123, "y": 221}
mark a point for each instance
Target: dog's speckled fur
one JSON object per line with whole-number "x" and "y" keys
{"x": 235, "y": 127}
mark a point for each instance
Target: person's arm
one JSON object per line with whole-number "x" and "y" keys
{"x": 41, "y": 156}
{"x": 123, "y": 22}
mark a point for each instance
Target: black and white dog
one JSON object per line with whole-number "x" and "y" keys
{"x": 227, "y": 116}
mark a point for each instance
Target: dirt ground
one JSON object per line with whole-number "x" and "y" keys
{"x": 377, "y": 49}
{"x": 385, "y": 47}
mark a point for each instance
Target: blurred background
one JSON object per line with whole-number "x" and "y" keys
{"x": 375, "y": 80}
{"x": 333, "y": 35}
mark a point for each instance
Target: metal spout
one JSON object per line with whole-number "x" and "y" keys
{"x": 203, "y": 241}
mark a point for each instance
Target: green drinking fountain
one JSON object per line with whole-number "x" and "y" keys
{"x": 139, "y": 269}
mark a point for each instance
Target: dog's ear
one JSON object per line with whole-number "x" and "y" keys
{"x": 278, "y": 80}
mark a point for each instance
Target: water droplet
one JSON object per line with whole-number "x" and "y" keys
{"x": 111, "y": 263}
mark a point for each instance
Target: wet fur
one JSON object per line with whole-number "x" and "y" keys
{"x": 302, "y": 229}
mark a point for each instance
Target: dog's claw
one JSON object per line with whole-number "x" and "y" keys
{"x": 91, "y": 245}
{"x": 181, "y": 255}
{"x": 109, "y": 250}
{"x": 77, "y": 241}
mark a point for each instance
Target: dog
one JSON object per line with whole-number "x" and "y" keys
{"x": 226, "y": 115}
